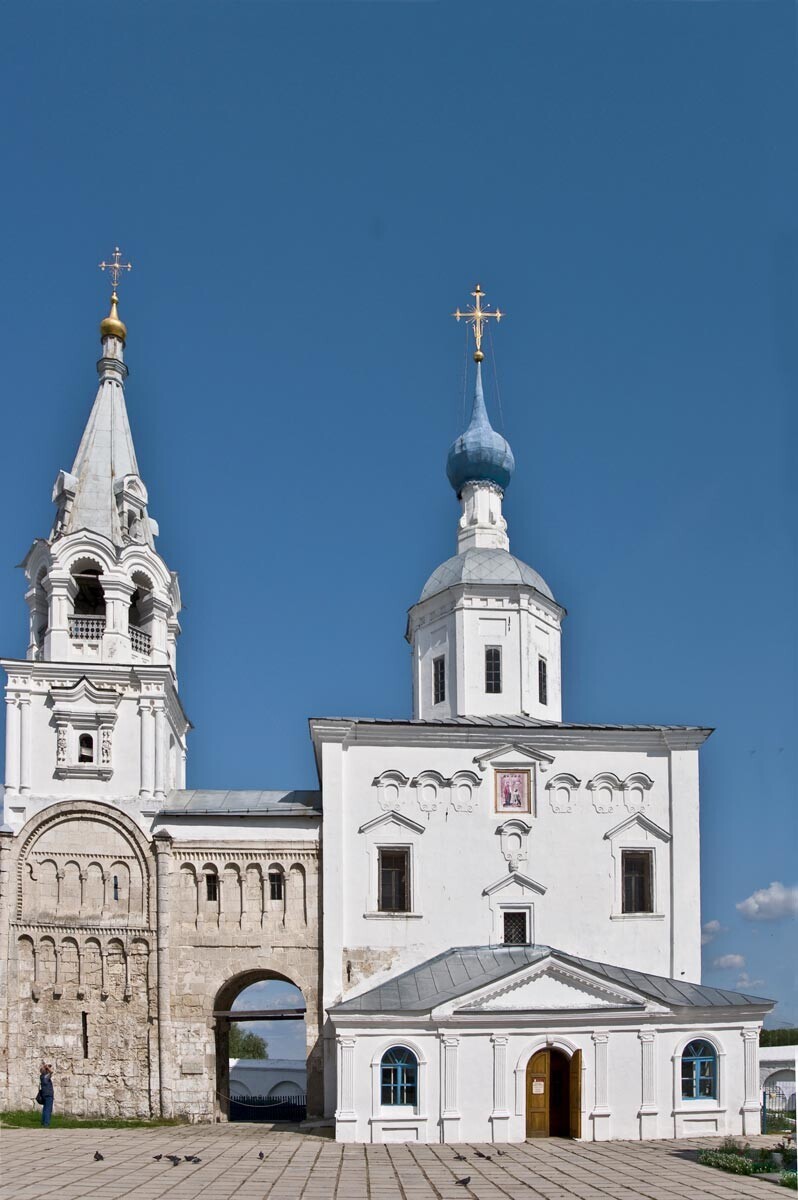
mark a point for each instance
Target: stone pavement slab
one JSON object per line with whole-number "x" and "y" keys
{"x": 59, "y": 1163}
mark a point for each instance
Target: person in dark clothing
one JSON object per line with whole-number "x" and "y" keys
{"x": 47, "y": 1093}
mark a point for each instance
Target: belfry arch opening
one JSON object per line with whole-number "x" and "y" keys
{"x": 89, "y": 596}
{"x": 261, "y": 1048}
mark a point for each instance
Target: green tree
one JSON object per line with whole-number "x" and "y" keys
{"x": 245, "y": 1044}
{"x": 778, "y": 1037}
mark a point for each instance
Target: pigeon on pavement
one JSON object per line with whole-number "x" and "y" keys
{"x": 261, "y": 1154}
{"x": 98, "y": 1157}
{"x": 157, "y": 1157}
{"x": 464, "y": 1182}
{"x": 460, "y": 1158}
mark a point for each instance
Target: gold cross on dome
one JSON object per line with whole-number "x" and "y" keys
{"x": 476, "y": 317}
{"x": 115, "y": 267}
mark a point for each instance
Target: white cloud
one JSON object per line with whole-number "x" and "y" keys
{"x": 770, "y": 903}
{"x": 745, "y": 981}
{"x": 729, "y": 961}
{"x": 710, "y": 931}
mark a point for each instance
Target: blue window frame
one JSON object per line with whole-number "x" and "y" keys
{"x": 399, "y": 1076}
{"x": 699, "y": 1071}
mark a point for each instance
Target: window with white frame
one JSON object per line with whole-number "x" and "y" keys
{"x": 515, "y": 927}
{"x": 493, "y": 670}
{"x": 699, "y": 1071}
{"x": 399, "y": 1077}
{"x": 637, "y": 885}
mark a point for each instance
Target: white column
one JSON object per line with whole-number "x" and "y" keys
{"x": 160, "y": 753}
{"x": 648, "y": 1096}
{"x": 24, "y": 746}
{"x": 147, "y": 750}
{"x": 500, "y": 1117}
{"x": 345, "y": 1116}
{"x": 12, "y": 747}
{"x": 751, "y": 1104}
{"x": 450, "y": 1113}
{"x": 56, "y": 640}
{"x": 601, "y": 1110}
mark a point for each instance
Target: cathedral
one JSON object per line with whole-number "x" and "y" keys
{"x": 501, "y": 938}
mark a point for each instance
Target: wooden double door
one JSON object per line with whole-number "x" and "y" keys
{"x": 554, "y": 1094}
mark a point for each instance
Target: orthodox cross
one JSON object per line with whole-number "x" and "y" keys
{"x": 115, "y": 267}
{"x": 476, "y": 317}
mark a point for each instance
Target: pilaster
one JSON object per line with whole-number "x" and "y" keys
{"x": 600, "y": 1115}
{"x": 162, "y": 844}
{"x": 500, "y": 1117}
{"x": 6, "y": 843}
{"x": 450, "y": 1112}
{"x": 751, "y": 1103}
{"x": 345, "y": 1115}
{"x": 648, "y": 1111}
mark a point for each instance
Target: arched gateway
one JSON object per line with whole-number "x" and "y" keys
{"x": 239, "y": 1002}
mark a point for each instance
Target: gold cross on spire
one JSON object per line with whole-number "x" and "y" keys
{"x": 476, "y": 317}
{"x": 115, "y": 267}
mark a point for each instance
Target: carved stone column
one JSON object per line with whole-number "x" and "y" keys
{"x": 649, "y": 1108}
{"x": 751, "y": 1103}
{"x": 162, "y": 843}
{"x": 345, "y": 1115}
{"x": 601, "y": 1109}
{"x": 500, "y": 1117}
{"x": 6, "y": 842}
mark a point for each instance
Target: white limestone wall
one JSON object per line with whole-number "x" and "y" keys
{"x": 569, "y": 864}
{"x": 472, "y": 1081}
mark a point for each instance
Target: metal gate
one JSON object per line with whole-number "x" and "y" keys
{"x": 268, "y": 1108}
{"x": 778, "y": 1111}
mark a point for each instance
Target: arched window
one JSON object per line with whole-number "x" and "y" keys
{"x": 85, "y": 748}
{"x": 699, "y": 1071}
{"x": 399, "y": 1076}
{"x": 116, "y": 887}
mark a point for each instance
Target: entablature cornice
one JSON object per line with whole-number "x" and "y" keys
{"x": 83, "y": 928}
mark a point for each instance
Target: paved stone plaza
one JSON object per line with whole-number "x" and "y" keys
{"x": 45, "y": 1163}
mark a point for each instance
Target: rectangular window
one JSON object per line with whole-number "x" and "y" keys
{"x": 543, "y": 681}
{"x": 212, "y": 888}
{"x": 493, "y": 669}
{"x": 438, "y": 680}
{"x": 394, "y": 873}
{"x": 275, "y": 885}
{"x": 514, "y": 931}
{"x": 85, "y": 1030}
{"x": 637, "y": 881}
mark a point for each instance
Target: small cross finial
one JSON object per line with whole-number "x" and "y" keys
{"x": 476, "y": 317}
{"x": 115, "y": 267}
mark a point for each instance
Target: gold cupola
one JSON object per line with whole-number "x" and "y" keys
{"x": 112, "y": 326}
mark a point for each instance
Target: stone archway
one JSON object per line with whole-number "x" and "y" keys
{"x": 226, "y": 1014}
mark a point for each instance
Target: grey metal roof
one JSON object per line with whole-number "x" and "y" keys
{"x": 511, "y": 720}
{"x": 456, "y": 972}
{"x": 193, "y": 803}
{"x": 481, "y": 565}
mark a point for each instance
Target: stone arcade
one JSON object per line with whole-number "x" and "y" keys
{"x": 509, "y": 908}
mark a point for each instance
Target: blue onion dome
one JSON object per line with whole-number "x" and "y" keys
{"x": 480, "y": 454}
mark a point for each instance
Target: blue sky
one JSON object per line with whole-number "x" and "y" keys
{"x": 307, "y": 190}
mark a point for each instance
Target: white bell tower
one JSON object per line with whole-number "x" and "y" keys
{"x": 92, "y": 712}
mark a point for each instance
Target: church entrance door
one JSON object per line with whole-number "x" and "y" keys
{"x": 553, "y": 1094}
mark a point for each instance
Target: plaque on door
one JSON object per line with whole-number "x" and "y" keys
{"x": 538, "y": 1087}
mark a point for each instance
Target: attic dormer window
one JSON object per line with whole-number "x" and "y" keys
{"x": 85, "y": 748}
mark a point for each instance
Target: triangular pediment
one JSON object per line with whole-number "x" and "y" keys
{"x": 392, "y": 818}
{"x": 551, "y": 987}
{"x": 513, "y": 751}
{"x": 514, "y": 877}
{"x": 638, "y": 821}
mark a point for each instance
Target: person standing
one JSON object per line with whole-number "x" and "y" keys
{"x": 46, "y": 1092}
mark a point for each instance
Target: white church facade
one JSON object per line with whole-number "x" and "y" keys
{"x": 493, "y": 915}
